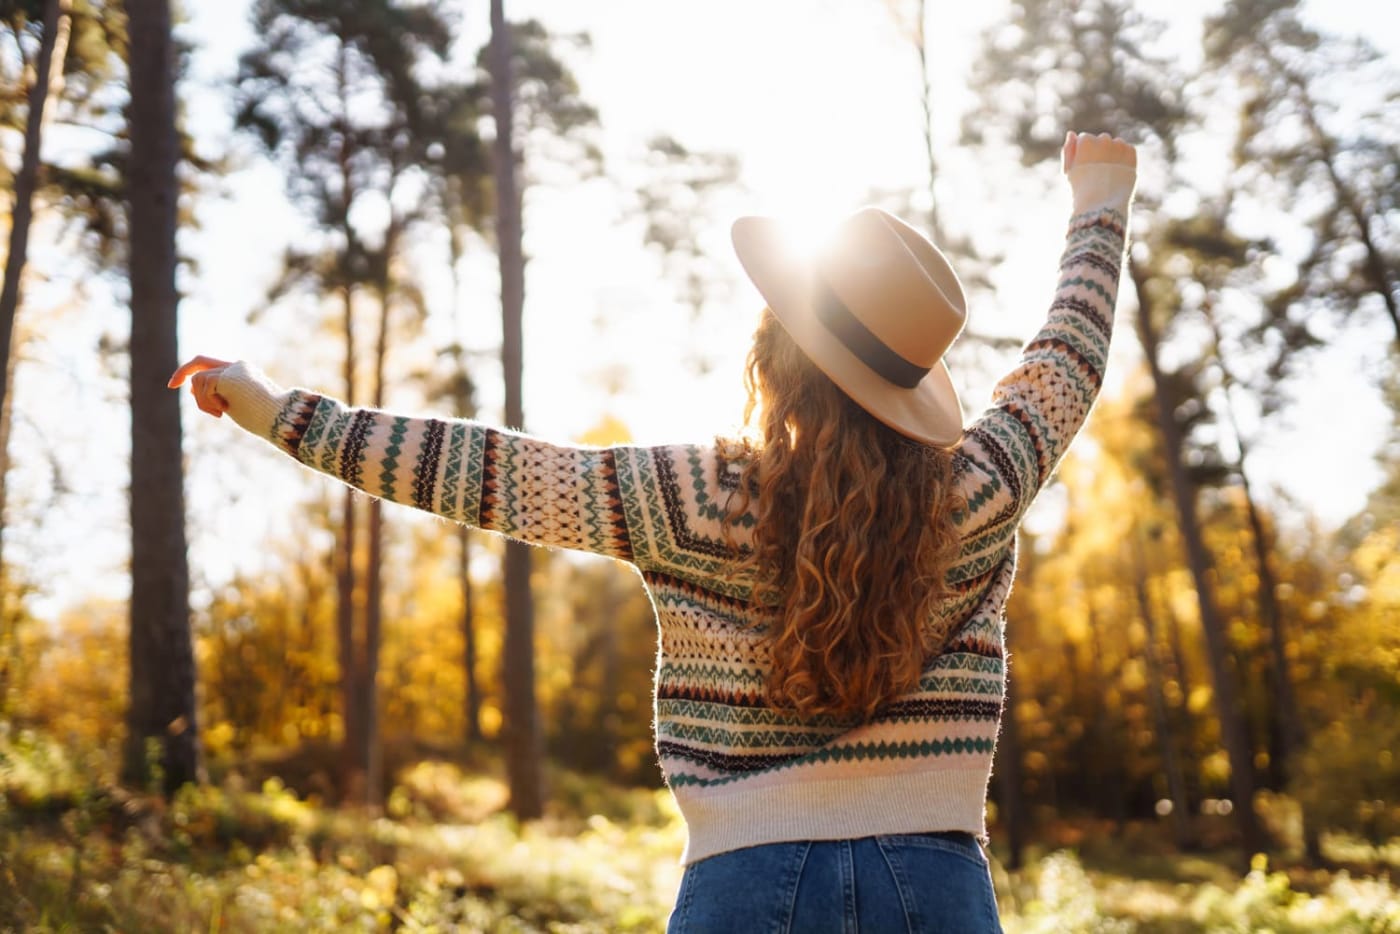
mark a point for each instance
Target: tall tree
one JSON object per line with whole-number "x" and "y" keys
{"x": 460, "y": 186}
{"x": 1095, "y": 66}
{"x": 524, "y": 740}
{"x": 1155, "y": 296}
{"x": 162, "y": 675}
{"x": 535, "y": 104}
{"x": 48, "y": 70}
{"x": 345, "y": 131}
{"x": 1226, "y": 270}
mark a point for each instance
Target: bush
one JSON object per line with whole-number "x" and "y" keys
{"x": 1349, "y": 775}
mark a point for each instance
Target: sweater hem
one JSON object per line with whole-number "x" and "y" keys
{"x": 835, "y": 809}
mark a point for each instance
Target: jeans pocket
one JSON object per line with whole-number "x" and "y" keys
{"x": 751, "y": 889}
{"x": 944, "y": 882}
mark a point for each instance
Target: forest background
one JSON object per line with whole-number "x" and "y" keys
{"x": 234, "y": 696}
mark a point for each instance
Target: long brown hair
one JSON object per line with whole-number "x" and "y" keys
{"x": 854, "y": 536}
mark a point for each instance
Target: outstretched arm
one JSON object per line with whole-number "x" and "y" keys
{"x": 563, "y": 496}
{"x": 1039, "y": 406}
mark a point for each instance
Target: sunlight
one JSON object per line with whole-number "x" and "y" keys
{"x": 807, "y": 224}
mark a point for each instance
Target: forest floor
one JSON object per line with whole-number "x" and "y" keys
{"x": 78, "y": 854}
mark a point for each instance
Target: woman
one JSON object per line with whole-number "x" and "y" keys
{"x": 830, "y": 600}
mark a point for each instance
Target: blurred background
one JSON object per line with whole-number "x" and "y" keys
{"x": 233, "y": 696}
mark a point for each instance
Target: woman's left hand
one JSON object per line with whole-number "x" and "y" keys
{"x": 203, "y": 375}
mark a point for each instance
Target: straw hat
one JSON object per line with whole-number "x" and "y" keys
{"x": 876, "y": 311}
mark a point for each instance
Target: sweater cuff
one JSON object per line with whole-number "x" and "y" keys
{"x": 254, "y": 401}
{"x": 1100, "y": 185}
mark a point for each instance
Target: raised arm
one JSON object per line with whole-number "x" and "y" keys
{"x": 563, "y": 496}
{"x": 1038, "y": 407}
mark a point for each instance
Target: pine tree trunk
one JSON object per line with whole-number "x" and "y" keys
{"x": 1233, "y": 731}
{"x": 524, "y": 742}
{"x": 473, "y": 690}
{"x": 349, "y": 649}
{"x": 1289, "y": 732}
{"x": 162, "y": 675}
{"x": 351, "y": 778}
{"x": 48, "y": 73}
{"x": 48, "y": 69}
{"x": 1166, "y": 741}
{"x": 1108, "y": 767}
{"x": 1009, "y": 754}
{"x": 371, "y": 753}
{"x": 9, "y": 608}
{"x": 930, "y": 157}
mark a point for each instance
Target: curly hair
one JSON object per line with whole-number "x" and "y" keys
{"x": 854, "y": 534}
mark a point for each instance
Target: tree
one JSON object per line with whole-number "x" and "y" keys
{"x": 344, "y": 131}
{"x": 535, "y": 104}
{"x": 1093, "y": 63}
{"x": 1220, "y": 256}
{"x": 162, "y": 679}
{"x": 48, "y": 70}
{"x": 524, "y": 742}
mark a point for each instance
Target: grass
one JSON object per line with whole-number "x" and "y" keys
{"x": 77, "y": 854}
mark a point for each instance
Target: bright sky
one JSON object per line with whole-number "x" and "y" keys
{"x": 820, "y": 100}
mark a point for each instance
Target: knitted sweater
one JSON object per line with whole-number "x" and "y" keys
{"x": 742, "y": 772}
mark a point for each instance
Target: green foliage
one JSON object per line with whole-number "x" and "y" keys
{"x": 86, "y": 856}
{"x": 1267, "y": 901}
{"x": 1062, "y": 900}
{"x": 1349, "y": 775}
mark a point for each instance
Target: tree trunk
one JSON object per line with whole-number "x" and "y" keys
{"x": 524, "y": 742}
{"x": 7, "y": 412}
{"x": 1109, "y": 767}
{"x": 1009, "y": 754}
{"x": 48, "y": 78}
{"x": 10, "y": 615}
{"x": 162, "y": 676}
{"x": 352, "y": 779}
{"x": 348, "y": 656}
{"x": 473, "y": 692}
{"x": 1233, "y": 731}
{"x": 930, "y": 157}
{"x": 371, "y": 753}
{"x": 1166, "y": 741}
{"x": 1290, "y": 733}
{"x": 48, "y": 69}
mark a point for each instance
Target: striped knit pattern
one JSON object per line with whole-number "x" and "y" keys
{"x": 742, "y": 772}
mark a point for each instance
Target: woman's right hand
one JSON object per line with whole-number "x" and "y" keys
{"x": 1102, "y": 170}
{"x": 203, "y": 374}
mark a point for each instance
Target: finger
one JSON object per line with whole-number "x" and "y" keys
{"x": 1070, "y": 148}
{"x": 196, "y": 365}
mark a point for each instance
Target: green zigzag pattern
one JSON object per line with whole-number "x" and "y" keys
{"x": 389, "y": 463}
{"x": 320, "y": 421}
{"x": 452, "y": 468}
{"x": 330, "y": 454}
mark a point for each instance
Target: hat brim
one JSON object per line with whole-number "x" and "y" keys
{"x": 929, "y": 412}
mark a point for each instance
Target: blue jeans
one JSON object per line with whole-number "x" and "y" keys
{"x": 924, "y": 882}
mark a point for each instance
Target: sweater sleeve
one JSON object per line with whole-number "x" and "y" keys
{"x": 557, "y": 495}
{"x": 1012, "y": 448}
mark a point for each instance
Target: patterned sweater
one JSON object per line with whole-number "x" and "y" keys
{"x": 742, "y": 772}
